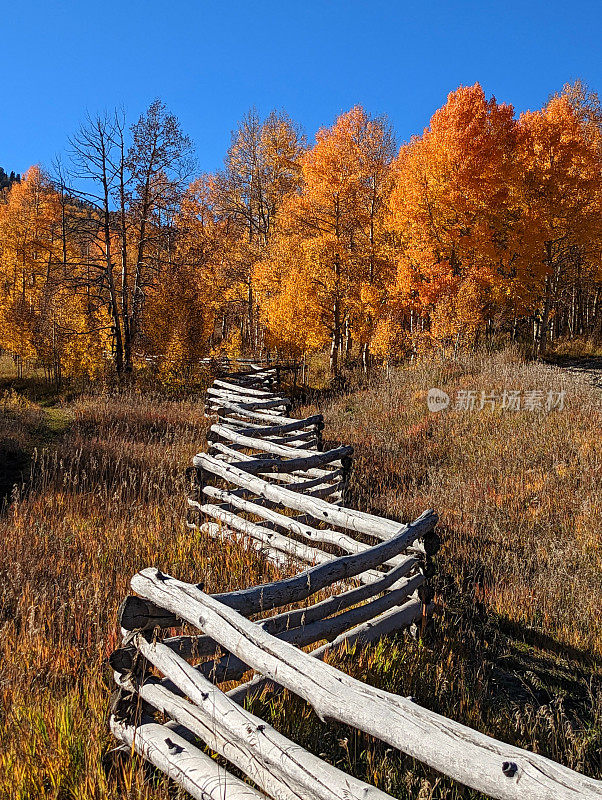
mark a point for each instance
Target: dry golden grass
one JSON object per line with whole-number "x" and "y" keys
{"x": 516, "y": 646}
{"x": 518, "y": 493}
{"x": 107, "y": 501}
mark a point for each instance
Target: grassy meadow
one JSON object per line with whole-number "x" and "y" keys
{"x": 516, "y": 647}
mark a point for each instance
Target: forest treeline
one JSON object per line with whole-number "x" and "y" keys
{"x": 487, "y": 226}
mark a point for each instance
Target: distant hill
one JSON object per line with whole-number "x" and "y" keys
{"x": 6, "y": 181}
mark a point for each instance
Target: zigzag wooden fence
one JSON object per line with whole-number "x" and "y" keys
{"x": 267, "y": 479}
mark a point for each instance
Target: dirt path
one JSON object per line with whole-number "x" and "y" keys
{"x": 587, "y": 368}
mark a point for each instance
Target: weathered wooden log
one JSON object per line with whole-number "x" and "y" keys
{"x": 236, "y": 403}
{"x": 302, "y": 466}
{"x": 310, "y": 441}
{"x": 502, "y": 771}
{"x": 232, "y": 447}
{"x": 301, "y": 445}
{"x": 334, "y": 476}
{"x": 363, "y": 619}
{"x": 279, "y": 766}
{"x": 318, "y": 487}
{"x": 151, "y": 583}
{"x": 301, "y": 463}
{"x": 191, "y": 646}
{"x": 333, "y": 492}
{"x": 230, "y": 667}
{"x": 389, "y": 622}
{"x": 278, "y": 541}
{"x": 136, "y": 613}
{"x": 241, "y": 388}
{"x": 233, "y": 455}
{"x": 264, "y": 445}
{"x": 230, "y": 454}
{"x": 270, "y": 430}
{"x": 290, "y": 440}
{"x": 324, "y": 472}
{"x": 326, "y": 536}
{"x": 319, "y": 509}
{"x": 272, "y": 401}
{"x": 201, "y": 776}
{"x": 230, "y": 413}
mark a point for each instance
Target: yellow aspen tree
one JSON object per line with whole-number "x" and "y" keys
{"x": 561, "y": 166}
{"x": 328, "y": 235}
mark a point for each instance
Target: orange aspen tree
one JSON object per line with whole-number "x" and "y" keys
{"x": 261, "y": 169}
{"x": 453, "y": 210}
{"x": 328, "y": 236}
{"x": 183, "y": 302}
{"x": 44, "y": 315}
{"x": 561, "y": 183}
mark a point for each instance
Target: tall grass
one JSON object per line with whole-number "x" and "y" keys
{"x": 518, "y": 492}
{"x": 516, "y": 647}
{"x": 107, "y": 501}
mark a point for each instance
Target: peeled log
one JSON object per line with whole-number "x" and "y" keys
{"x": 270, "y": 430}
{"x": 281, "y": 767}
{"x": 255, "y": 443}
{"x": 502, "y": 771}
{"x": 294, "y": 526}
{"x": 319, "y": 509}
{"x": 189, "y": 646}
{"x": 201, "y": 776}
{"x": 156, "y": 586}
{"x": 391, "y": 621}
{"x": 284, "y": 544}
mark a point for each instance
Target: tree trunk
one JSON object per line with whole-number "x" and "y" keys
{"x": 547, "y": 308}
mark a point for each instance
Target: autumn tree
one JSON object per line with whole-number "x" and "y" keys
{"x": 328, "y": 236}
{"x": 160, "y": 163}
{"x": 560, "y": 162}
{"x": 454, "y": 211}
{"x": 135, "y": 191}
{"x": 188, "y": 295}
{"x": 261, "y": 169}
{"x": 43, "y": 317}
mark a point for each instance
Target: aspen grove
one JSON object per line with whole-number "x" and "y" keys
{"x": 487, "y": 226}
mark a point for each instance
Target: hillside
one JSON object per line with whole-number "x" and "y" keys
{"x": 516, "y": 647}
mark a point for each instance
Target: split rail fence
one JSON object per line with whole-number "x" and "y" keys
{"x": 267, "y": 479}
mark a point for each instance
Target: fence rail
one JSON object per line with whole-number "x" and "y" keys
{"x": 266, "y": 478}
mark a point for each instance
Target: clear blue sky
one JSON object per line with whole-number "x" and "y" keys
{"x": 210, "y": 61}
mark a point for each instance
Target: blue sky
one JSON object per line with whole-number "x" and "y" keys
{"x": 210, "y": 61}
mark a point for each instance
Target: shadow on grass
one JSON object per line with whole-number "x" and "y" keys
{"x": 14, "y": 467}
{"x": 22, "y": 430}
{"x": 588, "y": 366}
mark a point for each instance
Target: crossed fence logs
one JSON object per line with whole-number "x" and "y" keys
{"x": 267, "y": 478}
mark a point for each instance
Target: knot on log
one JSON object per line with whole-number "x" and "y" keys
{"x": 173, "y": 747}
{"x": 509, "y": 768}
